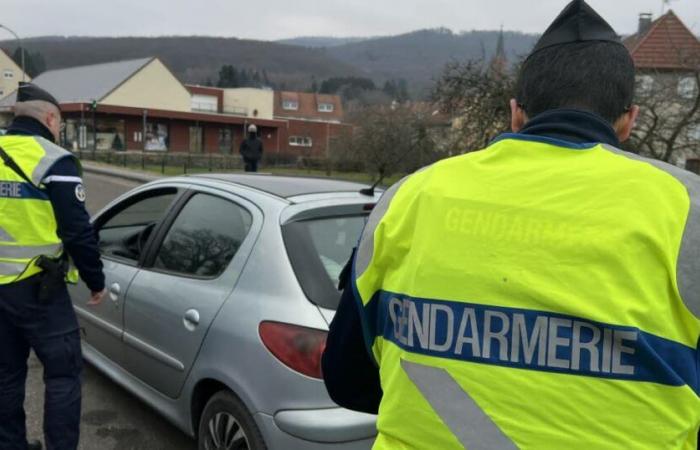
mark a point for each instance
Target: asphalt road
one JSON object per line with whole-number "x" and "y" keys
{"x": 112, "y": 418}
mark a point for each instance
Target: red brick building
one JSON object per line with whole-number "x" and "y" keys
{"x": 141, "y": 105}
{"x": 313, "y": 122}
{"x": 664, "y": 44}
{"x": 666, "y": 56}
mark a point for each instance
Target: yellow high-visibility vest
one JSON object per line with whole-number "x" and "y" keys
{"x": 537, "y": 295}
{"x": 27, "y": 222}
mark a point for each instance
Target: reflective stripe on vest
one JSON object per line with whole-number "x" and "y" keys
{"x": 5, "y": 236}
{"x": 535, "y": 296}
{"x": 28, "y": 251}
{"x": 474, "y": 429}
{"x": 27, "y": 221}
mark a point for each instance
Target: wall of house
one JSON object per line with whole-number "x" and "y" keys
{"x": 134, "y": 129}
{"x": 10, "y": 84}
{"x": 179, "y": 136}
{"x": 245, "y": 101}
{"x": 154, "y": 86}
{"x": 321, "y": 134}
{"x": 659, "y": 91}
{"x": 211, "y": 137}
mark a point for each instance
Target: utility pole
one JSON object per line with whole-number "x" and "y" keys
{"x": 93, "y": 107}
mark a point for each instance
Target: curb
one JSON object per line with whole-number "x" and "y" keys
{"x": 125, "y": 174}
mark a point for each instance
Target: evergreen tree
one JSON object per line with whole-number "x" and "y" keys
{"x": 228, "y": 77}
{"x": 266, "y": 79}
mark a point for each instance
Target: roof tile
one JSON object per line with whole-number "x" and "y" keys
{"x": 668, "y": 44}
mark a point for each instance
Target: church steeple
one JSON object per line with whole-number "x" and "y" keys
{"x": 500, "y": 49}
{"x": 499, "y": 63}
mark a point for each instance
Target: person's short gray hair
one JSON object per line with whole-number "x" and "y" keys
{"x": 36, "y": 109}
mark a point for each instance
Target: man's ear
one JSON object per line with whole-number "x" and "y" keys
{"x": 626, "y": 122}
{"x": 52, "y": 120}
{"x": 517, "y": 116}
{"x": 49, "y": 119}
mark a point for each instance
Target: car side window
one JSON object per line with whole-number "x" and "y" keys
{"x": 128, "y": 226}
{"x": 204, "y": 237}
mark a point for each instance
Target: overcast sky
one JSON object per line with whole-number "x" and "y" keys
{"x": 276, "y": 19}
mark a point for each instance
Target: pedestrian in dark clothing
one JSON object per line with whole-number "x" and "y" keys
{"x": 44, "y": 225}
{"x": 252, "y": 150}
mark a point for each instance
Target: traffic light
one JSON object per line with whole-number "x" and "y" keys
{"x": 93, "y": 105}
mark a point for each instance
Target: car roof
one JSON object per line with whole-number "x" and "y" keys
{"x": 287, "y": 186}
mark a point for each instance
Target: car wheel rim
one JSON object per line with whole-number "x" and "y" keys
{"x": 225, "y": 433}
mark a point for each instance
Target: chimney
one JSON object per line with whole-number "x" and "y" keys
{"x": 644, "y": 23}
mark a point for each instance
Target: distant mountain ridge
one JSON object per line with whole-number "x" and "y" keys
{"x": 322, "y": 41}
{"x": 417, "y": 57}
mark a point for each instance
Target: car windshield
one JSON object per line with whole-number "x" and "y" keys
{"x": 319, "y": 250}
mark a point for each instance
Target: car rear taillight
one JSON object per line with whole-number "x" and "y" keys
{"x": 298, "y": 348}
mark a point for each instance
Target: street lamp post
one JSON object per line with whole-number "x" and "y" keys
{"x": 21, "y": 47}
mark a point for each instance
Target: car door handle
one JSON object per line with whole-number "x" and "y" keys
{"x": 114, "y": 291}
{"x": 191, "y": 319}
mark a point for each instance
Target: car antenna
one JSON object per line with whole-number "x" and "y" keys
{"x": 370, "y": 190}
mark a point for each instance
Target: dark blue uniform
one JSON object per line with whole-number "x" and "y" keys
{"x": 51, "y": 330}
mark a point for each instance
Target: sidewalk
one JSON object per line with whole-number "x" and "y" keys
{"x": 119, "y": 172}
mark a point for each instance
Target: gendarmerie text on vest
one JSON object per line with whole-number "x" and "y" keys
{"x": 533, "y": 339}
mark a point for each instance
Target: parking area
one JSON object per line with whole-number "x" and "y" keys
{"x": 112, "y": 418}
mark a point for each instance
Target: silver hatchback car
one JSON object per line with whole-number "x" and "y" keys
{"x": 221, "y": 289}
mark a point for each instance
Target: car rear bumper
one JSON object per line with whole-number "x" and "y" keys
{"x": 330, "y": 428}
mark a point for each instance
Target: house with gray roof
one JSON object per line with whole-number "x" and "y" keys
{"x": 138, "y": 105}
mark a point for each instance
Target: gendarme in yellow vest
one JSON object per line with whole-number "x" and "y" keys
{"x": 535, "y": 295}
{"x": 27, "y": 221}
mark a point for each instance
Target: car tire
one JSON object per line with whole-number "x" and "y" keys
{"x": 226, "y": 424}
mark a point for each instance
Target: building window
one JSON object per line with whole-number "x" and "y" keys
{"x": 205, "y": 103}
{"x": 326, "y": 107}
{"x": 196, "y": 139}
{"x": 110, "y": 134}
{"x": 694, "y": 133}
{"x": 645, "y": 83}
{"x": 687, "y": 87}
{"x": 225, "y": 141}
{"x": 291, "y": 105}
{"x": 8, "y": 74}
{"x": 300, "y": 141}
{"x": 156, "y": 136}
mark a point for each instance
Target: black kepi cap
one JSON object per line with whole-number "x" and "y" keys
{"x": 27, "y": 92}
{"x": 578, "y": 22}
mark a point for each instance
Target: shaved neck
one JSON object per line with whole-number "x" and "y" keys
{"x": 46, "y": 113}
{"x": 38, "y": 109}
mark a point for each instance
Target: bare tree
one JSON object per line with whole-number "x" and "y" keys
{"x": 668, "y": 127}
{"x": 477, "y": 97}
{"x": 386, "y": 140}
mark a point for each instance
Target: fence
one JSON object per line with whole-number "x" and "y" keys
{"x": 170, "y": 162}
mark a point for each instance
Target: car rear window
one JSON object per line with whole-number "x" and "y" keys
{"x": 318, "y": 250}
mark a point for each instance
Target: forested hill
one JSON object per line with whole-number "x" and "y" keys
{"x": 419, "y": 56}
{"x": 416, "y": 57}
{"x": 193, "y": 59}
